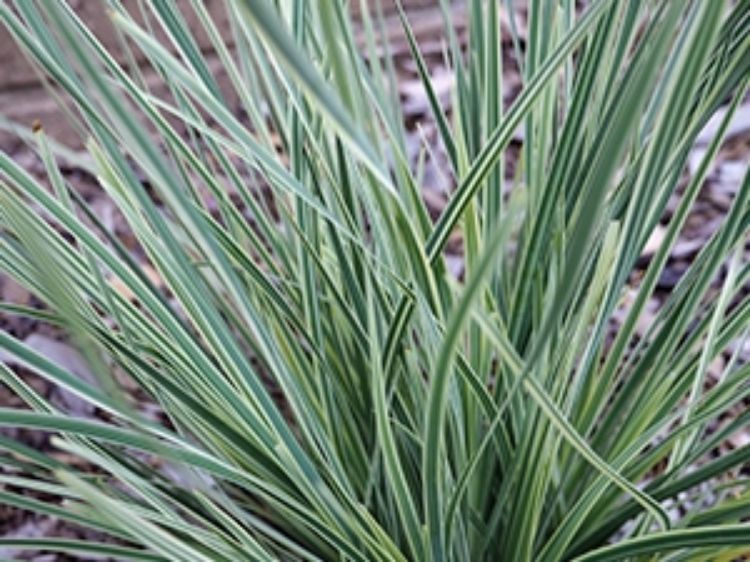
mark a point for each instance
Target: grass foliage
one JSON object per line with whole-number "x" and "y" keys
{"x": 330, "y": 391}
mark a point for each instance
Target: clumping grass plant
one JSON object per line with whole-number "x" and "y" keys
{"x": 327, "y": 388}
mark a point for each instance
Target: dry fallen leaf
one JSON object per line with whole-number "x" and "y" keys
{"x": 14, "y": 293}
{"x": 654, "y": 241}
{"x": 68, "y": 357}
{"x": 61, "y": 354}
{"x": 740, "y": 439}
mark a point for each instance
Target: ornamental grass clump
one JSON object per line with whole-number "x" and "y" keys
{"x": 326, "y": 387}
